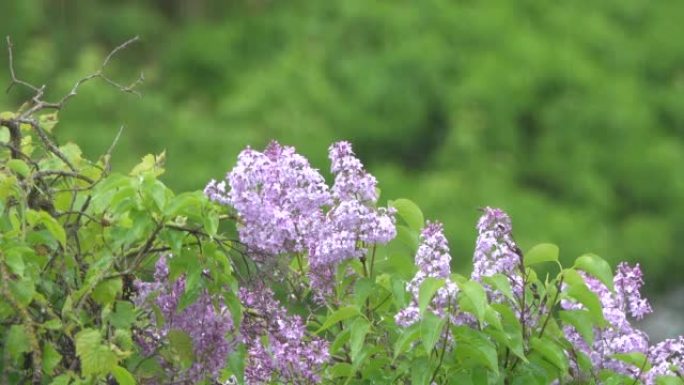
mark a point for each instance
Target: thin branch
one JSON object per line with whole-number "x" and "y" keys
{"x": 13, "y": 75}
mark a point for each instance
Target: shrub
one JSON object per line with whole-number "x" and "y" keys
{"x": 274, "y": 276}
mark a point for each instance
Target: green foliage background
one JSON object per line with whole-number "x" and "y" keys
{"x": 570, "y": 115}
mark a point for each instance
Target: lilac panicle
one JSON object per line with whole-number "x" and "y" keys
{"x": 667, "y": 359}
{"x": 352, "y": 223}
{"x": 278, "y": 197}
{"x": 206, "y": 325}
{"x": 619, "y": 336}
{"x": 495, "y": 249}
{"x": 433, "y": 260}
{"x": 284, "y": 206}
{"x": 278, "y": 346}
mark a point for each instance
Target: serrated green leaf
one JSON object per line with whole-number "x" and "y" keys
{"x": 150, "y": 164}
{"x": 410, "y": 213}
{"x": 339, "y": 315}
{"x": 431, "y": 327}
{"x": 543, "y": 252}
{"x": 123, "y": 315}
{"x": 123, "y": 376}
{"x": 95, "y": 357}
{"x": 427, "y": 290}
{"x": 51, "y": 358}
{"x": 596, "y": 266}
{"x": 181, "y": 345}
{"x": 106, "y": 291}
{"x": 17, "y": 342}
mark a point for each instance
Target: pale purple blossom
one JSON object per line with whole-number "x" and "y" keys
{"x": 278, "y": 197}
{"x": 433, "y": 260}
{"x": 619, "y": 336}
{"x": 206, "y": 325}
{"x": 278, "y": 345}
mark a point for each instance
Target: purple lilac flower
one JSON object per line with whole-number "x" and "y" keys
{"x": 278, "y": 197}
{"x": 667, "y": 359}
{"x": 206, "y": 325}
{"x": 619, "y": 336}
{"x": 285, "y": 206}
{"x": 433, "y": 260}
{"x": 352, "y": 223}
{"x": 495, "y": 249}
{"x": 277, "y": 343}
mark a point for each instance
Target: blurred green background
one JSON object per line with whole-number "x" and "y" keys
{"x": 568, "y": 114}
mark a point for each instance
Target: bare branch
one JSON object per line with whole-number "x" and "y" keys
{"x": 13, "y": 75}
{"x": 40, "y": 104}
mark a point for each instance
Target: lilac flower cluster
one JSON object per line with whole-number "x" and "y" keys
{"x": 433, "y": 260}
{"x": 206, "y": 325}
{"x": 277, "y": 344}
{"x": 285, "y": 207}
{"x": 619, "y": 336}
{"x": 667, "y": 359}
{"x": 352, "y": 223}
{"x": 495, "y": 249}
{"x": 278, "y": 197}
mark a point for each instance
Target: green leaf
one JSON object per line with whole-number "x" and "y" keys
{"x": 431, "y": 330}
{"x": 51, "y": 358}
{"x": 95, "y": 357}
{"x": 62, "y": 379}
{"x": 501, "y": 284}
{"x": 123, "y": 315}
{"x": 340, "y": 314}
{"x": 473, "y": 299}
{"x": 578, "y": 290}
{"x": 543, "y": 252}
{"x": 551, "y": 352}
{"x": 123, "y": 376}
{"x": 669, "y": 380}
{"x": 420, "y": 371}
{"x": 582, "y": 321}
{"x": 51, "y": 224}
{"x": 341, "y": 369}
{"x": 359, "y": 328}
{"x": 15, "y": 262}
{"x": 638, "y": 360}
{"x": 150, "y": 164}
{"x": 362, "y": 289}
{"x": 19, "y": 167}
{"x": 405, "y": 340}
{"x": 410, "y": 213}
{"x": 106, "y": 291}
{"x": 181, "y": 346}
{"x": 53, "y": 324}
{"x": 427, "y": 290}
{"x": 474, "y": 349}
{"x": 23, "y": 290}
{"x": 596, "y": 266}
{"x": 17, "y": 342}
